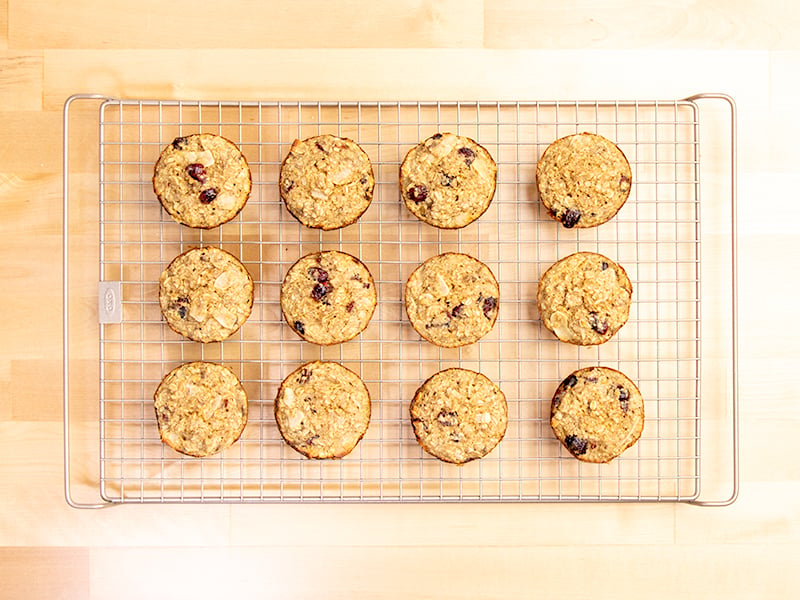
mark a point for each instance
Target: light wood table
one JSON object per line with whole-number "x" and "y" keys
{"x": 416, "y": 50}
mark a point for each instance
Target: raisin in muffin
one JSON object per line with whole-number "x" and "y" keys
{"x": 583, "y": 180}
{"x": 452, "y": 299}
{"x": 205, "y": 294}
{"x": 328, "y": 297}
{"x": 585, "y": 298}
{"x": 322, "y": 410}
{"x": 202, "y": 180}
{"x": 597, "y": 413}
{"x": 326, "y": 181}
{"x": 448, "y": 181}
{"x": 201, "y": 408}
{"x": 459, "y": 415}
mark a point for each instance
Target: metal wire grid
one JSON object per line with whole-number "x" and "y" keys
{"x": 655, "y": 237}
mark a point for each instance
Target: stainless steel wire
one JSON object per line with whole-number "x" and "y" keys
{"x": 656, "y": 237}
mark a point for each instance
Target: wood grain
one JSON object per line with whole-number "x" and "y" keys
{"x": 409, "y": 49}
{"x": 468, "y": 525}
{"x": 783, "y": 126}
{"x": 248, "y": 24}
{"x": 35, "y": 398}
{"x": 704, "y": 24}
{"x": 418, "y": 74}
{"x": 707, "y": 24}
{"x": 44, "y": 573}
{"x": 33, "y": 314}
{"x": 3, "y": 24}
{"x": 20, "y": 81}
{"x": 31, "y": 145}
{"x": 449, "y": 572}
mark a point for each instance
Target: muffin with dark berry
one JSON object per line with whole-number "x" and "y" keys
{"x": 201, "y": 408}
{"x": 205, "y": 294}
{"x": 323, "y": 410}
{"x": 202, "y": 180}
{"x": 459, "y": 415}
{"x": 326, "y": 181}
{"x": 328, "y": 297}
{"x": 448, "y": 181}
{"x": 452, "y": 299}
{"x": 584, "y": 298}
{"x": 597, "y": 413}
{"x": 583, "y": 180}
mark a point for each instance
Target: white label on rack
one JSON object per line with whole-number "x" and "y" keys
{"x": 110, "y": 302}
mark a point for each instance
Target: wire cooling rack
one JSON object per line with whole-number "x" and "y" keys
{"x": 656, "y": 237}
